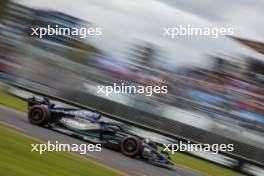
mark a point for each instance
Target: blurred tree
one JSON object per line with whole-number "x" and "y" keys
{"x": 3, "y": 4}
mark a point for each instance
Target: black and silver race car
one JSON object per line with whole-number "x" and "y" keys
{"x": 86, "y": 125}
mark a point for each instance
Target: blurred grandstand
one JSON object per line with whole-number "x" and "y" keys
{"x": 210, "y": 105}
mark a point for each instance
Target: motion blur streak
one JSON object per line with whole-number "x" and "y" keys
{"x": 215, "y": 87}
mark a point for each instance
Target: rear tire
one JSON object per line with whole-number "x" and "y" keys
{"x": 131, "y": 146}
{"x": 39, "y": 115}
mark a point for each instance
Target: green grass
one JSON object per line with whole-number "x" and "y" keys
{"x": 12, "y": 101}
{"x": 16, "y": 159}
{"x": 200, "y": 165}
{"x": 178, "y": 158}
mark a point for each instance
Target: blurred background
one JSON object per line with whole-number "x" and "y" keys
{"x": 215, "y": 86}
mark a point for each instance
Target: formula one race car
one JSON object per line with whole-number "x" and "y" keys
{"x": 86, "y": 125}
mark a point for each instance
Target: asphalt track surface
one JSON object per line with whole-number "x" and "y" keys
{"x": 114, "y": 159}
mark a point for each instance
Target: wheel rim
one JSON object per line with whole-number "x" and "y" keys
{"x": 130, "y": 145}
{"x": 36, "y": 115}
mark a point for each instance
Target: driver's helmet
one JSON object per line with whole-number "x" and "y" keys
{"x": 147, "y": 140}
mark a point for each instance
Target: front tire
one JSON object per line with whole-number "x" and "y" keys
{"x": 131, "y": 146}
{"x": 39, "y": 115}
